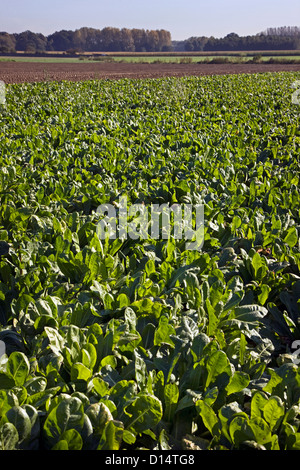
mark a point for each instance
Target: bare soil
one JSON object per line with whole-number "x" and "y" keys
{"x": 20, "y": 72}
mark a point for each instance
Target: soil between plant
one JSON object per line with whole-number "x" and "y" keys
{"x": 22, "y": 72}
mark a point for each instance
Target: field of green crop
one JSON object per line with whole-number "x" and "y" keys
{"x": 132, "y": 344}
{"x": 151, "y": 58}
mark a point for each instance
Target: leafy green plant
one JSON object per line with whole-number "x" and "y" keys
{"x": 139, "y": 343}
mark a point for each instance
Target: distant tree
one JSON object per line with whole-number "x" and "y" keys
{"x": 140, "y": 39}
{"x": 152, "y": 41}
{"x": 7, "y": 43}
{"x": 291, "y": 31}
{"x": 195, "y": 43}
{"x": 178, "y": 46}
{"x": 80, "y": 39}
{"x": 165, "y": 40}
{"x": 127, "y": 41}
{"x": 30, "y": 42}
{"x": 90, "y": 39}
{"x": 61, "y": 41}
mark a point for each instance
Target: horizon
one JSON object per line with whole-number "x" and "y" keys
{"x": 173, "y": 40}
{"x": 193, "y": 19}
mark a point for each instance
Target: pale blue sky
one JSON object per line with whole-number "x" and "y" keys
{"x": 183, "y": 18}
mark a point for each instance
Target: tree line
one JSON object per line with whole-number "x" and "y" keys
{"x": 140, "y": 40}
{"x": 88, "y": 40}
{"x": 283, "y": 38}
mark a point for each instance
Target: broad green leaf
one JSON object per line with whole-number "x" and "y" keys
{"x": 258, "y": 402}
{"x": 256, "y": 264}
{"x": 291, "y": 237}
{"x": 80, "y": 372}
{"x": 123, "y": 301}
{"x": 18, "y": 367}
{"x": 163, "y": 332}
{"x": 208, "y": 416}
{"x": 294, "y": 441}
{"x": 144, "y": 412}
{"x": 61, "y": 445}
{"x": 112, "y": 436}
{"x": 273, "y": 412}
{"x": 100, "y": 386}
{"x": 6, "y": 381}
{"x": 240, "y": 430}
{"x": 21, "y": 421}
{"x": 226, "y": 415}
{"x": 99, "y": 415}
{"x": 261, "y": 430}
{"x": 250, "y": 313}
{"x": 217, "y": 364}
{"x": 263, "y": 296}
{"x": 140, "y": 370}
{"x": 68, "y": 414}
{"x": 9, "y": 437}
{"x": 213, "y": 320}
{"x": 164, "y": 441}
{"x": 238, "y": 382}
{"x": 211, "y": 395}
{"x": 69, "y": 440}
{"x": 171, "y": 395}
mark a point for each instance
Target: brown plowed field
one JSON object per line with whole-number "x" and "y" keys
{"x": 19, "y": 72}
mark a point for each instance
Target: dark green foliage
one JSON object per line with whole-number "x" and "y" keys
{"x": 141, "y": 343}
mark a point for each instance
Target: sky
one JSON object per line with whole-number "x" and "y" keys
{"x": 183, "y": 18}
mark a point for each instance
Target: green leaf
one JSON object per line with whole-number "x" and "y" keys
{"x": 217, "y": 365}
{"x": 112, "y": 436}
{"x": 171, "y": 395}
{"x": 209, "y": 417}
{"x": 234, "y": 300}
{"x": 291, "y": 237}
{"x": 240, "y": 430}
{"x": 140, "y": 370}
{"x": 238, "y": 382}
{"x": 258, "y": 402}
{"x": 6, "y": 381}
{"x": 100, "y": 386}
{"x": 21, "y": 421}
{"x": 213, "y": 320}
{"x": 18, "y": 367}
{"x": 260, "y": 430}
{"x": 145, "y": 412}
{"x": 99, "y": 415}
{"x": 256, "y": 264}
{"x": 294, "y": 441}
{"x": 211, "y": 395}
{"x": 163, "y": 332}
{"x": 123, "y": 301}
{"x": 61, "y": 445}
{"x": 164, "y": 440}
{"x": 273, "y": 412}
{"x": 68, "y": 414}
{"x": 263, "y": 296}
{"x": 250, "y": 313}
{"x": 9, "y": 437}
{"x": 80, "y": 372}
{"x": 226, "y": 415}
{"x": 69, "y": 440}
{"x": 150, "y": 267}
